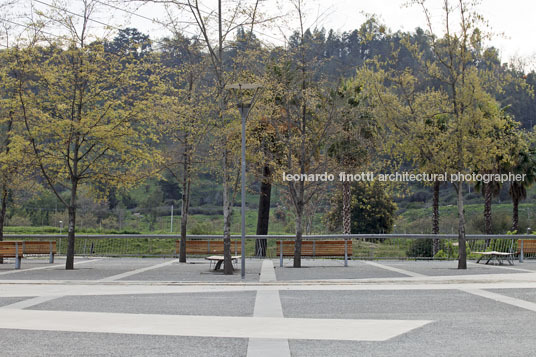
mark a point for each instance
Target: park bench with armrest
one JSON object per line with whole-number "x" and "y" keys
{"x": 316, "y": 248}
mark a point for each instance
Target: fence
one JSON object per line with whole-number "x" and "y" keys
{"x": 364, "y": 246}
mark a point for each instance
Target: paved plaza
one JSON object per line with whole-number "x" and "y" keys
{"x": 160, "y": 307}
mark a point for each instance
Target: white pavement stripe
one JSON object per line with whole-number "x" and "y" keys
{"x": 43, "y": 289}
{"x": 207, "y": 326}
{"x": 267, "y": 271}
{"x": 401, "y": 271}
{"x": 527, "y": 305}
{"x": 137, "y": 271}
{"x": 262, "y": 347}
{"x": 482, "y": 265}
{"x": 268, "y": 304}
{"x": 30, "y": 302}
{"x": 51, "y": 266}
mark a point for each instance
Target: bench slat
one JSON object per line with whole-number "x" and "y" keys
{"x": 210, "y": 247}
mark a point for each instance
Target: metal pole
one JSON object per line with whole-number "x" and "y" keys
{"x": 17, "y": 256}
{"x": 171, "y": 219}
{"x": 280, "y": 253}
{"x": 521, "y": 252}
{"x": 243, "y": 114}
{"x": 345, "y": 252}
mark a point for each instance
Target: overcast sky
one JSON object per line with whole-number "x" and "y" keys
{"x": 512, "y": 21}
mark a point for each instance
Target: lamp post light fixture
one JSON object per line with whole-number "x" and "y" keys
{"x": 244, "y": 108}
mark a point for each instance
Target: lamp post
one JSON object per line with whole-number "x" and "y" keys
{"x": 61, "y": 231}
{"x": 244, "y": 109}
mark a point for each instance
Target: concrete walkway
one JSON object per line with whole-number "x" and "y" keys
{"x": 283, "y": 312}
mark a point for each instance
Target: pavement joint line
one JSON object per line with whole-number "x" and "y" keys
{"x": 51, "y": 266}
{"x": 527, "y": 305}
{"x": 137, "y": 271}
{"x": 397, "y": 270}
{"x": 268, "y": 304}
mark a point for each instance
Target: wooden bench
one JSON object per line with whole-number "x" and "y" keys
{"x": 38, "y": 247}
{"x": 208, "y": 247}
{"x": 529, "y": 246}
{"x": 316, "y": 248}
{"x": 9, "y": 249}
{"x": 12, "y": 250}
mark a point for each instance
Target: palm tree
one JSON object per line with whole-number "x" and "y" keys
{"x": 525, "y": 164}
{"x": 355, "y": 138}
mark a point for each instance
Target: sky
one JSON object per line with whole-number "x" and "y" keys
{"x": 511, "y": 22}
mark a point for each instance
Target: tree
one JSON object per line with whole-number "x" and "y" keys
{"x": 186, "y": 109}
{"x": 455, "y": 73}
{"x": 372, "y": 209}
{"x": 306, "y": 111}
{"x": 525, "y": 163}
{"x": 504, "y": 137}
{"x": 16, "y": 166}
{"x": 84, "y": 113}
{"x": 239, "y": 15}
{"x": 355, "y": 138}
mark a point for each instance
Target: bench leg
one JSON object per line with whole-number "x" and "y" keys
{"x": 479, "y": 259}
{"x": 491, "y": 257}
{"x": 17, "y": 262}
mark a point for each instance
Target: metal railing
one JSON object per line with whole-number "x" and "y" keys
{"x": 364, "y": 246}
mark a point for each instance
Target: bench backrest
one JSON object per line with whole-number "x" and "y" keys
{"x": 34, "y": 247}
{"x": 316, "y": 248}
{"x": 529, "y": 246}
{"x": 10, "y": 249}
{"x": 208, "y": 247}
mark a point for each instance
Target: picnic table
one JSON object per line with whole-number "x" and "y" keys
{"x": 497, "y": 256}
{"x": 219, "y": 260}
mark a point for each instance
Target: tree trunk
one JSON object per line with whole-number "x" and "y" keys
{"x": 462, "y": 260}
{"x": 227, "y": 213}
{"x": 263, "y": 216}
{"x": 515, "y": 213}
{"x": 3, "y": 215}
{"x": 69, "y": 262}
{"x": 435, "y": 218}
{"x": 487, "y": 210}
{"x": 185, "y": 204}
{"x": 299, "y": 233}
{"x": 346, "y": 209}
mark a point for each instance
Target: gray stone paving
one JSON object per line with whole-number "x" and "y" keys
{"x": 210, "y": 304}
{"x": 462, "y": 322}
{"x": 10, "y": 300}
{"x": 523, "y": 294}
{"x": 198, "y": 270}
{"x": 439, "y": 268}
{"x": 322, "y": 269}
{"x": 68, "y": 344}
